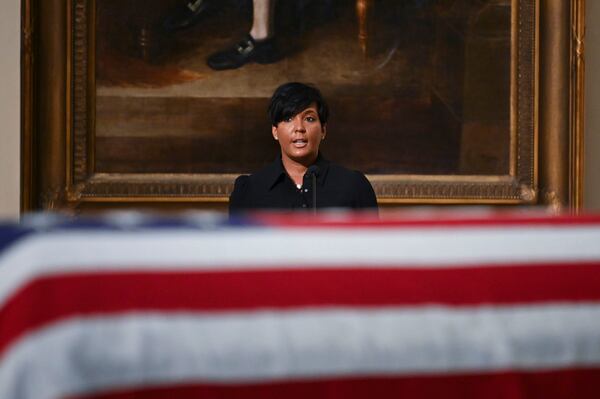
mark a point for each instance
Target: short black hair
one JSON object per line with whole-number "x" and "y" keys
{"x": 292, "y": 98}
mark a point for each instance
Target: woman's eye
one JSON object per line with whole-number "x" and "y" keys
{"x": 288, "y": 120}
{"x": 311, "y": 118}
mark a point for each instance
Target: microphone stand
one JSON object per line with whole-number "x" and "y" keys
{"x": 314, "y": 193}
{"x": 313, "y": 171}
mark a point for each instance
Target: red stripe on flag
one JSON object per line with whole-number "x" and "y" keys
{"x": 52, "y": 298}
{"x": 562, "y": 384}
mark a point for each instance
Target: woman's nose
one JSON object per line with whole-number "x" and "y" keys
{"x": 299, "y": 125}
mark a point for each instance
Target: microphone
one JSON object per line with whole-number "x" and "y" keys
{"x": 313, "y": 171}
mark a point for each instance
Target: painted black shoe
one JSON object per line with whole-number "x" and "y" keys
{"x": 247, "y": 50}
{"x": 185, "y": 16}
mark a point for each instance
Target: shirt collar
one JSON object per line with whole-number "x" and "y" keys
{"x": 276, "y": 172}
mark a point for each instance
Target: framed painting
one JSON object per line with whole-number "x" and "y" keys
{"x": 436, "y": 101}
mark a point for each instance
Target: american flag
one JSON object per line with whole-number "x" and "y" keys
{"x": 272, "y": 306}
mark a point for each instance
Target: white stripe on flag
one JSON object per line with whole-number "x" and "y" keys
{"x": 145, "y": 349}
{"x": 283, "y": 248}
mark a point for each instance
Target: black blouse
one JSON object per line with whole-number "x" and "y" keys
{"x": 272, "y": 188}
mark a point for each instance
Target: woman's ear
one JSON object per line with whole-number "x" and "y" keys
{"x": 274, "y": 132}
{"x": 323, "y": 131}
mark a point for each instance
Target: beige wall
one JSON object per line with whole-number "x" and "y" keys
{"x": 10, "y": 91}
{"x": 9, "y": 108}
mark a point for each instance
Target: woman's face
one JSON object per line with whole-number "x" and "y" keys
{"x": 300, "y": 136}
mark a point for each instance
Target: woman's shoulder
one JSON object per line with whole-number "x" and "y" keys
{"x": 262, "y": 177}
{"x": 248, "y": 188}
{"x": 256, "y": 180}
{"x": 355, "y": 183}
{"x": 241, "y": 182}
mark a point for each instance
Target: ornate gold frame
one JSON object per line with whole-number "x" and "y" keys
{"x": 58, "y": 98}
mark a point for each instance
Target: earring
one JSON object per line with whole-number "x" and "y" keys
{"x": 276, "y": 138}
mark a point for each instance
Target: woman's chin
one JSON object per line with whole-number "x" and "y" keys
{"x": 303, "y": 156}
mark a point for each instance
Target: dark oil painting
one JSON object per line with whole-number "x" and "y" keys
{"x": 414, "y": 86}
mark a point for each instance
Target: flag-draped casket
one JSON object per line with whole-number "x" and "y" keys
{"x": 337, "y": 306}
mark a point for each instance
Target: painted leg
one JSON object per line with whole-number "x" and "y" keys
{"x": 258, "y": 45}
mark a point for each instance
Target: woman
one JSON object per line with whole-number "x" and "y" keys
{"x": 298, "y": 116}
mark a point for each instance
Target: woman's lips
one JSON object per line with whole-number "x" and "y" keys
{"x": 300, "y": 143}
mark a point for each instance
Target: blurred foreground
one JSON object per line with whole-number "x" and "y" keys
{"x": 426, "y": 304}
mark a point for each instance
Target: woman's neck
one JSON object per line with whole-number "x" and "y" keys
{"x": 295, "y": 169}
